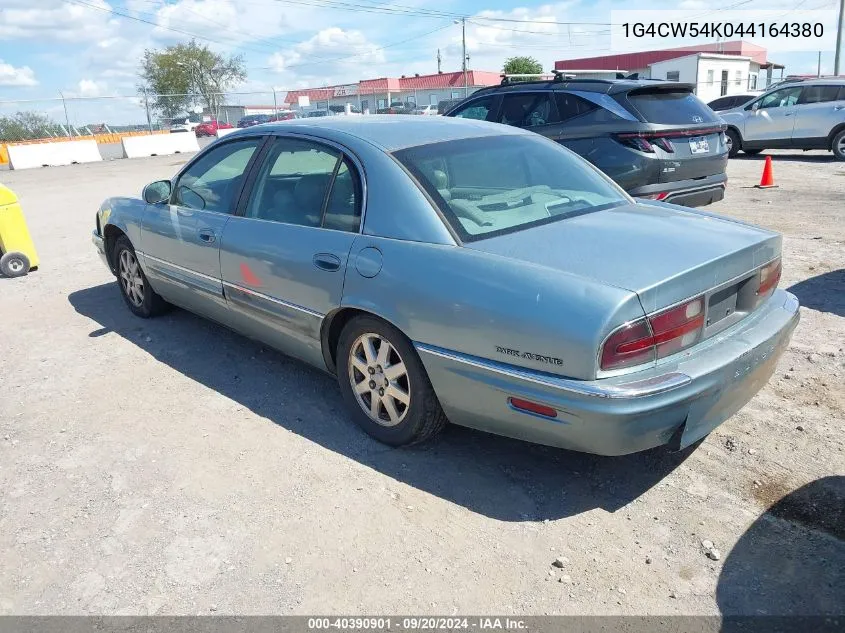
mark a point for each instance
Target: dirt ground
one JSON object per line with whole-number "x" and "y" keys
{"x": 172, "y": 467}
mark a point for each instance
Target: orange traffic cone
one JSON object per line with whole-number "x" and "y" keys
{"x": 767, "y": 181}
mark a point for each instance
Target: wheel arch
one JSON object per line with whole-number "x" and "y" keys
{"x": 112, "y": 233}
{"x": 333, "y": 324}
{"x": 836, "y": 130}
{"x": 736, "y": 131}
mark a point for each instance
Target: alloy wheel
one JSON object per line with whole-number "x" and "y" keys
{"x": 379, "y": 379}
{"x": 130, "y": 278}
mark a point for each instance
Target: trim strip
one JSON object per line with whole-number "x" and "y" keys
{"x": 177, "y": 267}
{"x": 635, "y": 389}
{"x": 261, "y": 295}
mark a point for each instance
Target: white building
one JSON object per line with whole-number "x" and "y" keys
{"x": 714, "y": 69}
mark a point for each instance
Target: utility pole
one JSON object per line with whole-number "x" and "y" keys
{"x": 67, "y": 118}
{"x": 839, "y": 38}
{"x": 147, "y": 108}
{"x": 464, "y": 48}
{"x": 439, "y": 59}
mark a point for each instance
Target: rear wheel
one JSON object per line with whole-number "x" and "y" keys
{"x": 752, "y": 152}
{"x": 385, "y": 384}
{"x": 733, "y": 142}
{"x": 838, "y": 145}
{"x": 139, "y": 296}
{"x": 14, "y": 264}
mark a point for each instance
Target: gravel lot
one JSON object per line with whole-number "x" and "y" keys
{"x": 172, "y": 467}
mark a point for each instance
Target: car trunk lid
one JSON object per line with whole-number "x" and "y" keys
{"x": 663, "y": 252}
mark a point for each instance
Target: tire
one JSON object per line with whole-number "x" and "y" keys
{"x": 136, "y": 291}
{"x": 837, "y": 145}
{"x": 751, "y": 152}
{"x": 734, "y": 143}
{"x": 400, "y": 423}
{"x": 14, "y": 264}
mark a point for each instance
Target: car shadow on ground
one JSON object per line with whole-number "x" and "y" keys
{"x": 790, "y": 562}
{"x": 825, "y": 292}
{"x": 498, "y": 477}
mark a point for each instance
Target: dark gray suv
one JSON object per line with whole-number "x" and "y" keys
{"x": 655, "y": 138}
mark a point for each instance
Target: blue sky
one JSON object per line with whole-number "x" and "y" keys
{"x": 82, "y": 48}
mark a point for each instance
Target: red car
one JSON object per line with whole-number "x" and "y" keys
{"x": 209, "y": 128}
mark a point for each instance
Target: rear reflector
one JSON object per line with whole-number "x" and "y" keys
{"x": 532, "y": 407}
{"x": 655, "y": 336}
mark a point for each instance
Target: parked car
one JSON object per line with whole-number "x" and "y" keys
{"x": 654, "y": 138}
{"x": 281, "y": 116}
{"x": 319, "y": 113}
{"x": 796, "y": 115}
{"x": 398, "y": 107}
{"x": 209, "y": 128}
{"x": 732, "y": 101}
{"x": 185, "y": 123}
{"x": 253, "y": 119}
{"x": 497, "y": 280}
{"x": 341, "y": 109}
{"x": 444, "y": 105}
{"x": 426, "y": 110}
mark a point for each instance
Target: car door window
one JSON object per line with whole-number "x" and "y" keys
{"x": 819, "y": 94}
{"x": 528, "y": 110}
{"x": 213, "y": 182}
{"x": 478, "y": 109}
{"x": 293, "y": 187}
{"x": 782, "y": 98}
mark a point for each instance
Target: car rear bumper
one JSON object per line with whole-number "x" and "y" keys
{"x": 677, "y": 402}
{"x": 696, "y": 192}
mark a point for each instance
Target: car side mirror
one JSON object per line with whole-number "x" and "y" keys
{"x": 754, "y": 107}
{"x": 157, "y": 192}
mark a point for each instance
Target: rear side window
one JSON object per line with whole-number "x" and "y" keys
{"x": 671, "y": 107}
{"x": 529, "y": 109}
{"x": 478, "y": 109}
{"x": 819, "y": 94}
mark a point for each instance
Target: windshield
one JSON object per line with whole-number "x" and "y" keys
{"x": 671, "y": 107}
{"x": 498, "y": 184}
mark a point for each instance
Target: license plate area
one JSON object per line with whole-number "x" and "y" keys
{"x": 728, "y": 305}
{"x": 699, "y": 145}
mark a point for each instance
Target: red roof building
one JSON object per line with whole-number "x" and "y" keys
{"x": 629, "y": 61}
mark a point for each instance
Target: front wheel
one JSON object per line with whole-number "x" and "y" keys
{"x": 139, "y": 296}
{"x": 14, "y": 264}
{"x": 838, "y": 145}
{"x": 733, "y": 142}
{"x": 385, "y": 384}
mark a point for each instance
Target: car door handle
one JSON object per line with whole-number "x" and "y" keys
{"x": 839, "y": 107}
{"x": 327, "y": 261}
{"x": 207, "y": 235}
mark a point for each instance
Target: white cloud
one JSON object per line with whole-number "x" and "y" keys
{"x": 56, "y": 20}
{"x": 11, "y": 76}
{"x": 90, "y": 88}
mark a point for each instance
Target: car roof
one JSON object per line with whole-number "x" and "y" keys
{"x": 389, "y": 132}
{"x": 606, "y": 86}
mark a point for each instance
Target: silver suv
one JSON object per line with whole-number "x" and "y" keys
{"x": 794, "y": 115}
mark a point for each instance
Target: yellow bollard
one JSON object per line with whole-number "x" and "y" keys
{"x": 17, "y": 252}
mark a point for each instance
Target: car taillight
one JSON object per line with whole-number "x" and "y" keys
{"x": 656, "y": 336}
{"x": 769, "y": 279}
{"x": 656, "y": 196}
{"x": 645, "y": 142}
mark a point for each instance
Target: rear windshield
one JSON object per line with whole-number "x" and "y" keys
{"x": 498, "y": 184}
{"x": 672, "y": 107}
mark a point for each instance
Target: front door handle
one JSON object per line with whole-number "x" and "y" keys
{"x": 839, "y": 107}
{"x": 207, "y": 235}
{"x": 327, "y": 261}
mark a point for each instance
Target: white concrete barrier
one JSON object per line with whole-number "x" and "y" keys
{"x": 225, "y": 131}
{"x": 52, "y": 154}
{"x": 159, "y": 144}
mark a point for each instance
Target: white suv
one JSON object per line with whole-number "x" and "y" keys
{"x": 795, "y": 115}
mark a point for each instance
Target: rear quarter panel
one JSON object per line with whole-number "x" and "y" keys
{"x": 487, "y": 305}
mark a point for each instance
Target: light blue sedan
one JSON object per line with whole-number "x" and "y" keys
{"x": 446, "y": 269}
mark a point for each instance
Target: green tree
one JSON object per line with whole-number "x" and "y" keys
{"x": 172, "y": 75}
{"x": 23, "y": 126}
{"x": 522, "y": 65}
